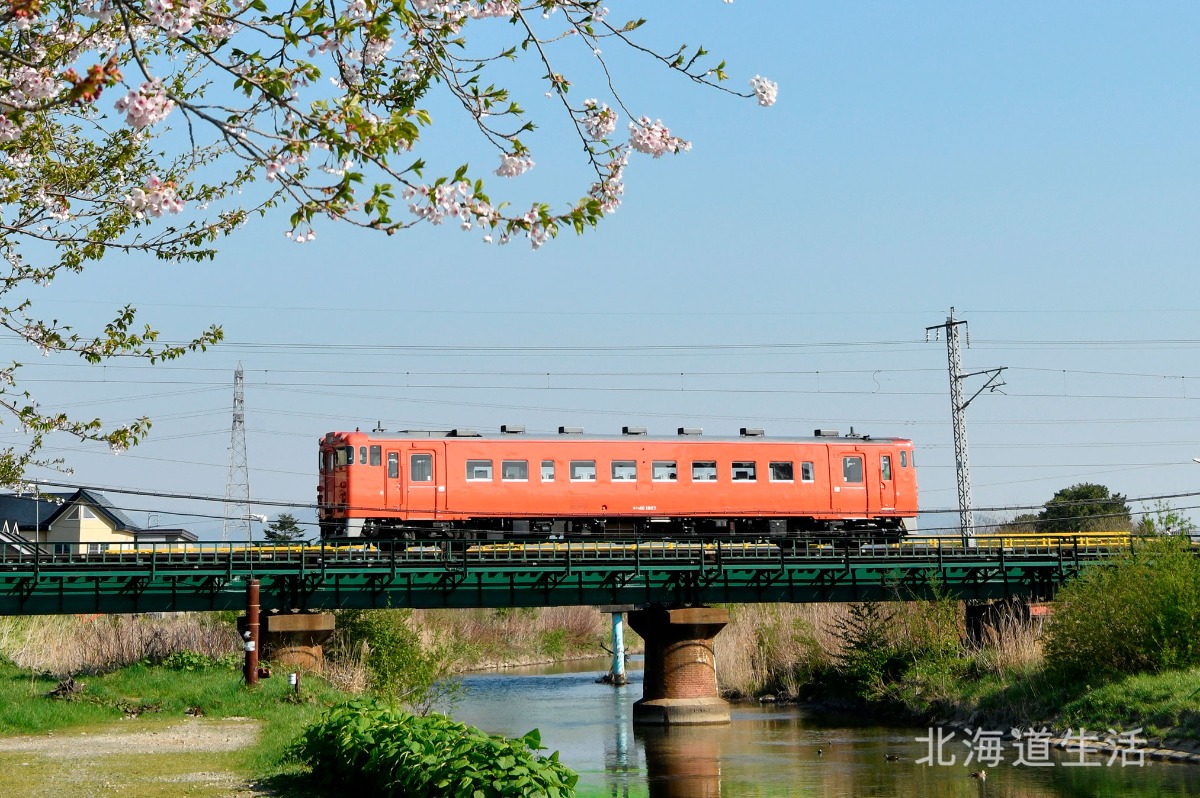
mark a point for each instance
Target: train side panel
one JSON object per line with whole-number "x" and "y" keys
{"x": 372, "y": 483}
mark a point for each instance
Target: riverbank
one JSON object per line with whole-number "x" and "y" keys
{"x": 909, "y": 663}
{"x": 154, "y": 732}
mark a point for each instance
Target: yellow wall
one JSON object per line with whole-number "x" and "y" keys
{"x": 69, "y": 528}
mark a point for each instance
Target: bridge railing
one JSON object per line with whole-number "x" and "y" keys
{"x": 459, "y": 553}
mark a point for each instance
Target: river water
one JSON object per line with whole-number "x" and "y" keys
{"x": 778, "y": 750}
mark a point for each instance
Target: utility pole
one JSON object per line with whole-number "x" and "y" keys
{"x": 237, "y": 486}
{"x": 958, "y": 408}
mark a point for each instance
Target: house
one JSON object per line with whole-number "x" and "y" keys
{"x": 83, "y": 522}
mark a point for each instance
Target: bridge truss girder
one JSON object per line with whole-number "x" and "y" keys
{"x": 37, "y": 589}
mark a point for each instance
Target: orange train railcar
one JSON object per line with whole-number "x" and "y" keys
{"x": 463, "y": 483}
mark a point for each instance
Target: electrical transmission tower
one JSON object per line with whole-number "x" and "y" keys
{"x": 958, "y": 407}
{"x": 237, "y": 487}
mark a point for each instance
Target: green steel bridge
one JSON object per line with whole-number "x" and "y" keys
{"x": 455, "y": 573}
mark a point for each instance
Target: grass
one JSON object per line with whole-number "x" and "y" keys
{"x": 1164, "y": 705}
{"x": 163, "y": 697}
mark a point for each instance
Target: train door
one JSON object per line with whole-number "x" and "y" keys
{"x": 422, "y": 488}
{"x": 887, "y": 485}
{"x": 393, "y": 491}
{"x": 849, "y": 483}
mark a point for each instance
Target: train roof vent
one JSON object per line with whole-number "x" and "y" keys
{"x": 463, "y": 432}
{"x": 633, "y": 430}
{"x": 826, "y": 433}
{"x": 753, "y": 432}
{"x": 691, "y": 431}
{"x": 570, "y": 430}
{"x": 512, "y": 429}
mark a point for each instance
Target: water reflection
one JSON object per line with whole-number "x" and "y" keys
{"x": 621, "y": 762}
{"x": 767, "y": 750}
{"x": 683, "y": 761}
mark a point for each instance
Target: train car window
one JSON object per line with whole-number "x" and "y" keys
{"x": 704, "y": 471}
{"x": 624, "y": 470}
{"x": 903, "y": 459}
{"x": 393, "y": 465}
{"x": 547, "y": 471}
{"x": 745, "y": 471}
{"x": 852, "y": 470}
{"x": 348, "y": 453}
{"x": 885, "y": 467}
{"x": 479, "y": 470}
{"x": 362, "y": 455}
{"x": 375, "y": 455}
{"x": 420, "y": 468}
{"x": 515, "y": 470}
{"x": 808, "y": 472}
{"x": 583, "y": 470}
{"x": 782, "y": 472}
{"x": 339, "y": 456}
{"x": 320, "y": 462}
{"x": 663, "y": 471}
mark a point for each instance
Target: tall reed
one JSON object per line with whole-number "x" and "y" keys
{"x": 72, "y": 644}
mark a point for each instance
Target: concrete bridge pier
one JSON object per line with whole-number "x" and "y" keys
{"x": 680, "y": 681}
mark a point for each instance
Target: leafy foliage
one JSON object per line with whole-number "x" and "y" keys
{"x": 1165, "y": 520}
{"x": 369, "y": 746}
{"x": 399, "y": 667}
{"x": 1137, "y": 614}
{"x": 1083, "y": 508}
{"x": 1022, "y": 524}
{"x": 192, "y": 661}
{"x": 226, "y": 109}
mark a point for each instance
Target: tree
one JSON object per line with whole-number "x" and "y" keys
{"x": 1085, "y": 507}
{"x": 284, "y": 529}
{"x": 1165, "y": 520}
{"x": 867, "y": 660}
{"x": 1021, "y": 524}
{"x": 316, "y": 107}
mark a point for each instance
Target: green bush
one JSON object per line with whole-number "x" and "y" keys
{"x": 868, "y": 661}
{"x": 370, "y": 746}
{"x": 191, "y": 661}
{"x": 1137, "y": 614}
{"x": 397, "y": 664}
{"x": 554, "y": 643}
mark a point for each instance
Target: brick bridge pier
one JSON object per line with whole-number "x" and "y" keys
{"x": 680, "y": 682}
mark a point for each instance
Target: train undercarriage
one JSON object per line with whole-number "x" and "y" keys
{"x": 885, "y": 530}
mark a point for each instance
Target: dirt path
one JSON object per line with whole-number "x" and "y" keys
{"x": 168, "y": 758}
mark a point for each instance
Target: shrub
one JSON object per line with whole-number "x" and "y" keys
{"x": 868, "y": 661}
{"x": 398, "y": 666}
{"x": 369, "y": 746}
{"x": 1137, "y": 614}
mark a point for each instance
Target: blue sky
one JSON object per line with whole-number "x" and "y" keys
{"x": 1033, "y": 165}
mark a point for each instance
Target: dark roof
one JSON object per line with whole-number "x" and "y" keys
{"x": 102, "y": 505}
{"x": 31, "y": 512}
